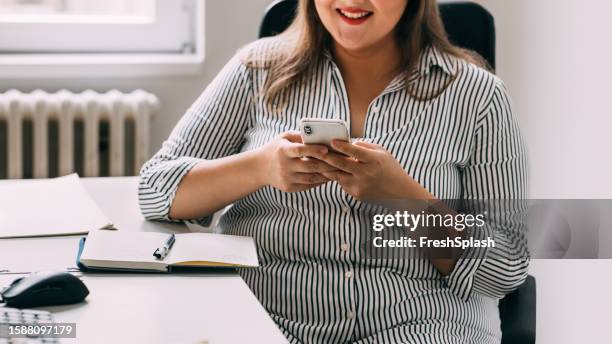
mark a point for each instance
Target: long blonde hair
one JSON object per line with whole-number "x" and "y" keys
{"x": 306, "y": 38}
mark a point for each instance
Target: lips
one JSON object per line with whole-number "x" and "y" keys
{"x": 354, "y": 15}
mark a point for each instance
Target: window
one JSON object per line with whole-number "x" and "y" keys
{"x": 102, "y": 30}
{"x": 69, "y": 26}
{"x": 59, "y": 8}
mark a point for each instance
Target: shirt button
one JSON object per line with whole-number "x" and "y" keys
{"x": 444, "y": 283}
{"x": 350, "y": 315}
{"x": 345, "y": 247}
{"x": 346, "y": 209}
{"x": 376, "y": 109}
{"x": 348, "y": 274}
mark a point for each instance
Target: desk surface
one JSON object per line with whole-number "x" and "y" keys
{"x": 183, "y": 308}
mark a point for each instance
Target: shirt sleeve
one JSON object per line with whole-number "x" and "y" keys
{"x": 495, "y": 182}
{"x": 212, "y": 128}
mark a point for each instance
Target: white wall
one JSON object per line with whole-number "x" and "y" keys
{"x": 229, "y": 25}
{"x": 555, "y": 57}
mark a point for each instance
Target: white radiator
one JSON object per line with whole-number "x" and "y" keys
{"x": 91, "y": 110}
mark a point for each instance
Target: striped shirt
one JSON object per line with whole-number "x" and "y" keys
{"x": 461, "y": 143}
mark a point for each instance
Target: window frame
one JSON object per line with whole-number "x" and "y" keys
{"x": 129, "y": 62}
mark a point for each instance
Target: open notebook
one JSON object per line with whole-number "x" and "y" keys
{"x": 125, "y": 250}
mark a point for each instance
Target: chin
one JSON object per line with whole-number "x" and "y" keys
{"x": 353, "y": 46}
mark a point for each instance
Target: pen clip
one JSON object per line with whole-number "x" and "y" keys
{"x": 160, "y": 253}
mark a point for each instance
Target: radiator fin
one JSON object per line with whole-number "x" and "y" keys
{"x": 61, "y": 115}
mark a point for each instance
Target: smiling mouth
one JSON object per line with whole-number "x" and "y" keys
{"x": 354, "y": 16}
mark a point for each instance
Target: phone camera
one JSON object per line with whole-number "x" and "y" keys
{"x": 308, "y": 130}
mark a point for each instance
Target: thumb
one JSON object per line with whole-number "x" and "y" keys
{"x": 292, "y": 136}
{"x": 367, "y": 145}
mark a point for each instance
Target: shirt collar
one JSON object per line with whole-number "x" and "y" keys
{"x": 432, "y": 57}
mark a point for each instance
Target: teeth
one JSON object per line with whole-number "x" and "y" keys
{"x": 353, "y": 15}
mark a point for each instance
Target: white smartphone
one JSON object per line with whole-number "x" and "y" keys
{"x": 317, "y": 131}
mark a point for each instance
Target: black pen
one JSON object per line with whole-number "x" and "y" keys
{"x": 161, "y": 252}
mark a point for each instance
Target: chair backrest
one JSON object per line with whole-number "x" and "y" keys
{"x": 517, "y": 312}
{"x": 468, "y": 25}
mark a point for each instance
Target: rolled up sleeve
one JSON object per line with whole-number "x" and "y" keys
{"x": 495, "y": 182}
{"x": 212, "y": 128}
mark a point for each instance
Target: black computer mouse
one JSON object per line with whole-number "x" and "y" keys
{"x": 45, "y": 289}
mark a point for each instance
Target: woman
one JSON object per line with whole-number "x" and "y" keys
{"x": 428, "y": 122}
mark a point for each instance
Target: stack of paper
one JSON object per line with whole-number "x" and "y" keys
{"x": 51, "y": 207}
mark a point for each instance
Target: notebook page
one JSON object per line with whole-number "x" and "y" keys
{"x": 123, "y": 249}
{"x": 213, "y": 248}
{"x": 47, "y": 207}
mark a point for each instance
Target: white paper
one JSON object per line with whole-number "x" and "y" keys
{"x": 213, "y": 248}
{"x": 49, "y": 207}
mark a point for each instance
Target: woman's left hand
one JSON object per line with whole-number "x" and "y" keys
{"x": 369, "y": 172}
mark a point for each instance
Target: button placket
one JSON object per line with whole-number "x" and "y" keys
{"x": 341, "y": 94}
{"x": 345, "y": 247}
{"x": 350, "y": 315}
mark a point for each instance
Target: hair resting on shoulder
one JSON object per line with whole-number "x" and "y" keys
{"x": 306, "y": 38}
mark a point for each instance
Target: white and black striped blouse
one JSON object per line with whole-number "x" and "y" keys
{"x": 313, "y": 280}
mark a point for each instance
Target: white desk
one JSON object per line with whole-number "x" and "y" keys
{"x": 183, "y": 308}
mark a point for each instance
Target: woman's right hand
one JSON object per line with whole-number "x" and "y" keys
{"x": 291, "y": 166}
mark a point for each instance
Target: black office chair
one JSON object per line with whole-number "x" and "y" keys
{"x": 472, "y": 27}
{"x": 468, "y": 25}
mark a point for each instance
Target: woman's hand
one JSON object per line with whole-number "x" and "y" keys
{"x": 291, "y": 166}
{"x": 369, "y": 172}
